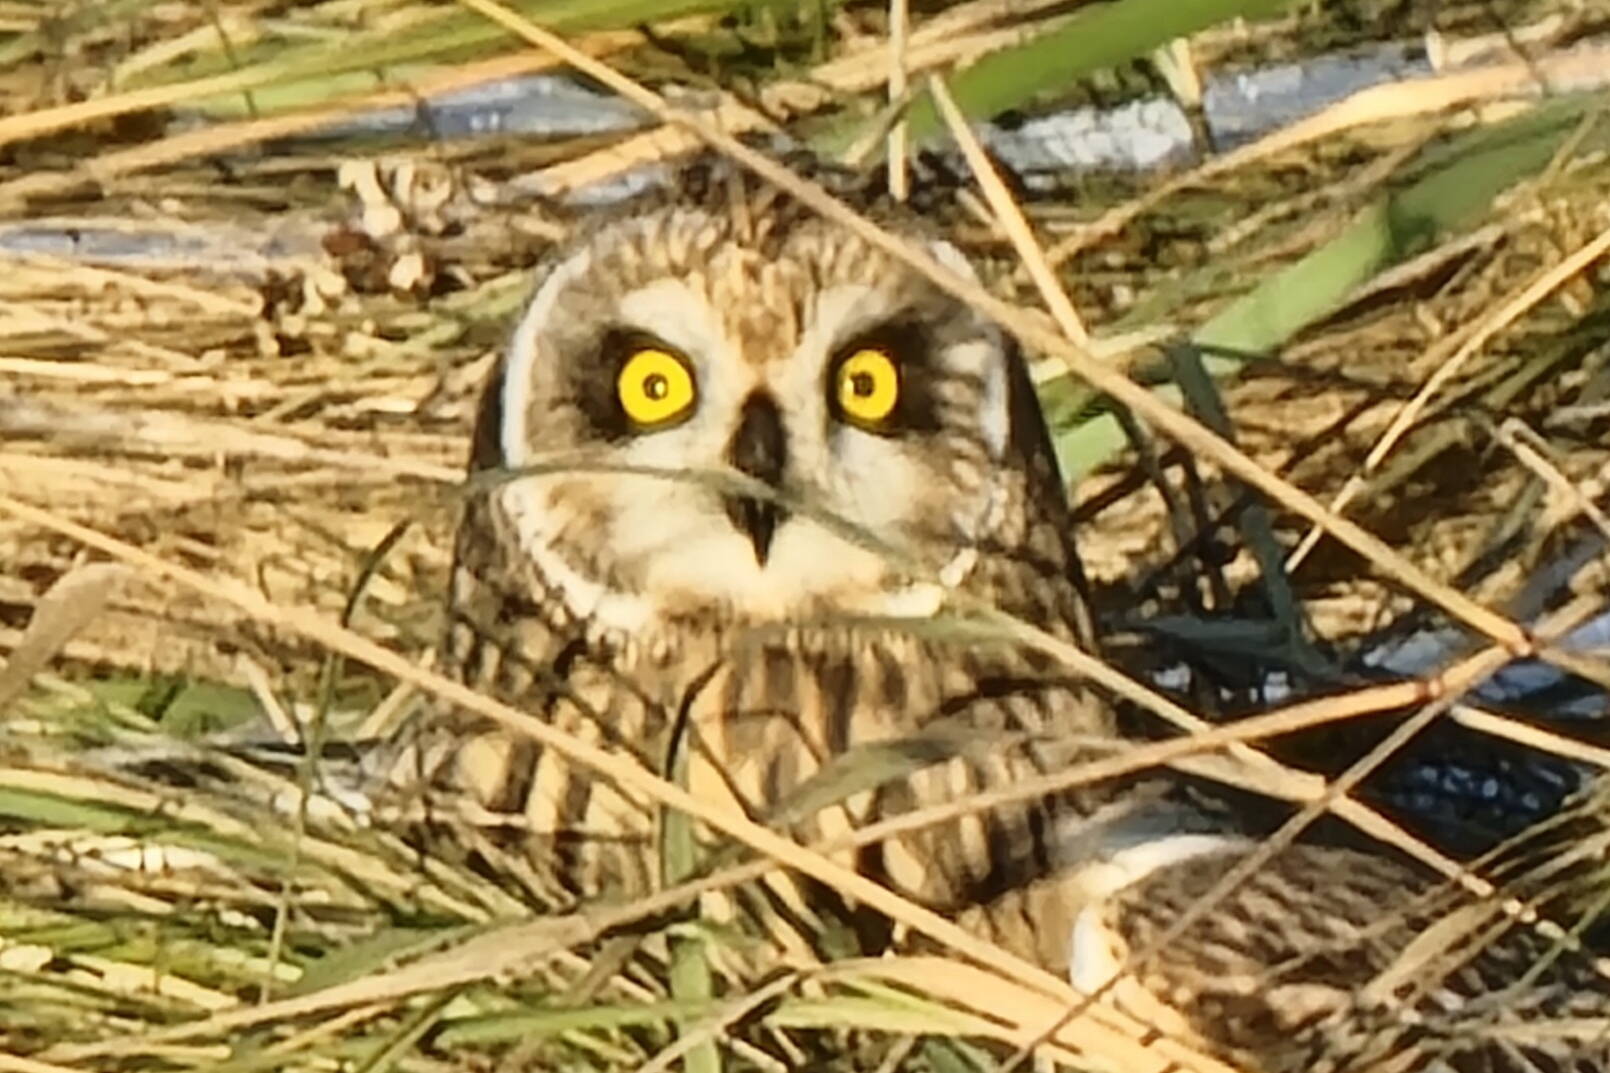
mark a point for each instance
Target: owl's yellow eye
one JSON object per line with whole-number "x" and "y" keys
{"x": 654, "y": 387}
{"x": 867, "y": 385}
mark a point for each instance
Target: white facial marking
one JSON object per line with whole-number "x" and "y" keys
{"x": 518, "y": 374}
{"x": 670, "y": 546}
{"x": 678, "y": 314}
{"x": 586, "y": 599}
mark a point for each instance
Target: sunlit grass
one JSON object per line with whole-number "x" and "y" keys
{"x": 275, "y": 434}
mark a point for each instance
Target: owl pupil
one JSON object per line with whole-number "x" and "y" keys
{"x": 655, "y": 386}
{"x": 861, "y": 384}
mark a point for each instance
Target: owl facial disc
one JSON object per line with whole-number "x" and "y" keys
{"x": 798, "y": 426}
{"x": 759, "y": 449}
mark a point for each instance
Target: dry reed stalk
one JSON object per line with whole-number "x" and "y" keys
{"x": 1468, "y": 344}
{"x": 1105, "y": 1032}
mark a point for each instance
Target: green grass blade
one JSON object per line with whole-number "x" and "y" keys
{"x": 496, "y": 1028}
{"x": 1465, "y": 179}
{"x": 691, "y": 978}
{"x": 281, "y": 75}
{"x": 1255, "y": 522}
{"x": 1402, "y": 224}
{"x": 1099, "y": 36}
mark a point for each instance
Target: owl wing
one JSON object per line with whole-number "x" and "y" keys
{"x": 1328, "y": 958}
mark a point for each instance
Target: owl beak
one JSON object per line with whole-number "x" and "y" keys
{"x": 759, "y": 449}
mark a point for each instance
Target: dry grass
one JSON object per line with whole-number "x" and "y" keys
{"x": 270, "y": 418}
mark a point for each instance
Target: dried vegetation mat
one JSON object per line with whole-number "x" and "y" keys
{"x": 1344, "y": 386}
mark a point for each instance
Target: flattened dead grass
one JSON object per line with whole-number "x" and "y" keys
{"x": 260, "y": 367}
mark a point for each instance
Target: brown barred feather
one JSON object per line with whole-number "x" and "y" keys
{"x": 1314, "y": 964}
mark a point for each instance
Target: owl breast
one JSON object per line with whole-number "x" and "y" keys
{"x": 738, "y": 474}
{"x": 903, "y": 721}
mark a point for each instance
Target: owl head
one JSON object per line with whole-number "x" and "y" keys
{"x": 718, "y": 405}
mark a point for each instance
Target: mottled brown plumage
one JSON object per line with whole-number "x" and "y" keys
{"x": 762, "y": 568}
{"x": 1329, "y": 959}
{"x": 814, "y": 652}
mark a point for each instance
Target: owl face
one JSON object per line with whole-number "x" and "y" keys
{"x": 735, "y": 400}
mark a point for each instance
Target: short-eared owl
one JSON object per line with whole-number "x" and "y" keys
{"x": 737, "y": 472}
{"x": 745, "y": 461}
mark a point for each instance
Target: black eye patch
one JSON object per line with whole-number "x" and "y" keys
{"x": 908, "y": 346}
{"x": 593, "y": 383}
